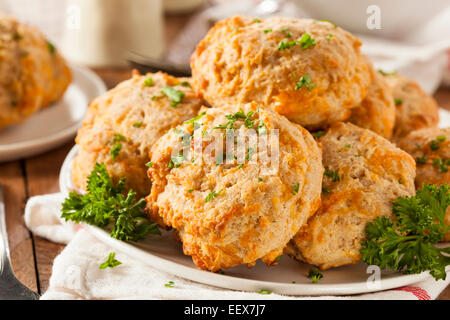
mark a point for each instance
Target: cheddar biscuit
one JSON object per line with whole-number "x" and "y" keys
{"x": 309, "y": 71}
{"x": 230, "y": 213}
{"x": 364, "y": 173}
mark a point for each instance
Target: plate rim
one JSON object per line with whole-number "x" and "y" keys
{"x": 232, "y": 282}
{"x": 42, "y": 144}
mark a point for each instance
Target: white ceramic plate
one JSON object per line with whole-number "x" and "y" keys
{"x": 165, "y": 253}
{"x": 55, "y": 124}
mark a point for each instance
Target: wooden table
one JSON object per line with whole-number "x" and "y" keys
{"x": 32, "y": 256}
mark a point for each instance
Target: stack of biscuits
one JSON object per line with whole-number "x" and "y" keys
{"x": 348, "y": 140}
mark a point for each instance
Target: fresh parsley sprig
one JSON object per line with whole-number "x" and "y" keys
{"x": 104, "y": 205}
{"x": 407, "y": 242}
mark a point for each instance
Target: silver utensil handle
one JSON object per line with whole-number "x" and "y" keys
{"x": 4, "y": 248}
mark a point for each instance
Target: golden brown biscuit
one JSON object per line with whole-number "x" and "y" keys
{"x": 431, "y": 149}
{"x": 309, "y": 71}
{"x": 228, "y": 214}
{"x": 364, "y": 173}
{"x": 415, "y": 109}
{"x": 121, "y": 126}
{"x": 32, "y": 72}
{"x": 377, "y": 110}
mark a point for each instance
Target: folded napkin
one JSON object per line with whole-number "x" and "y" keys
{"x": 76, "y": 273}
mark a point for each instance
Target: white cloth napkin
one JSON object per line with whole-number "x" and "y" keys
{"x": 76, "y": 273}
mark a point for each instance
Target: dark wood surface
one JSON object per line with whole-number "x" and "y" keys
{"x": 32, "y": 257}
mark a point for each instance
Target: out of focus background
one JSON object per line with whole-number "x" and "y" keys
{"x": 409, "y": 36}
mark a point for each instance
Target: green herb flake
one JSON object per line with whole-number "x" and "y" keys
{"x": 149, "y": 82}
{"x": 175, "y": 161}
{"x": 260, "y": 179}
{"x": 51, "y": 47}
{"x": 318, "y": 134}
{"x": 330, "y": 22}
{"x": 149, "y": 164}
{"x": 137, "y": 124}
{"x": 110, "y": 262}
{"x": 265, "y": 292}
{"x": 421, "y": 160}
{"x": 185, "y": 84}
{"x": 256, "y": 20}
{"x": 115, "y": 150}
{"x": 212, "y": 195}
{"x": 266, "y": 31}
{"x": 195, "y": 119}
{"x": 332, "y": 174}
{"x": 305, "y": 81}
{"x": 315, "y": 275}
{"x": 307, "y": 41}
{"x": 169, "y": 284}
{"x": 295, "y": 188}
{"x": 330, "y": 36}
{"x": 173, "y": 94}
{"x": 385, "y": 73}
{"x": 325, "y": 191}
{"x": 398, "y": 101}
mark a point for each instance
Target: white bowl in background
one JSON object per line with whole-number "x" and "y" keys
{"x": 398, "y": 17}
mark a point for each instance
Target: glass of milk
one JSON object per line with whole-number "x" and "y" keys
{"x": 100, "y": 33}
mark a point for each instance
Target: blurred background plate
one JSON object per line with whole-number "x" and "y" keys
{"x": 54, "y": 125}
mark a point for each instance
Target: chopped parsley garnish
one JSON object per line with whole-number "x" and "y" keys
{"x": 400, "y": 180}
{"x": 295, "y": 188}
{"x": 262, "y": 129}
{"x": 284, "y": 30}
{"x": 305, "y": 42}
{"x": 315, "y": 275}
{"x": 348, "y": 146}
{"x": 398, "y": 101}
{"x": 17, "y": 36}
{"x": 212, "y": 195}
{"x": 51, "y": 47}
{"x": 137, "y": 124}
{"x": 169, "y": 284}
{"x": 384, "y": 73}
{"x": 256, "y": 20}
{"x": 330, "y": 22}
{"x": 250, "y": 151}
{"x": 190, "y": 190}
{"x": 268, "y": 30}
{"x": 318, "y": 134}
{"x": 441, "y": 138}
{"x": 441, "y": 164}
{"x": 195, "y": 119}
{"x": 325, "y": 191}
{"x": 173, "y": 94}
{"x": 185, "y": 84}
{"x": 421, "y": 160}
{"x": 149, "y": 164}
{"x": 149, "y": 82}
{"x": 232, "y": 118}
{"x": 115, "y": 150}
{"x": 110, "y": 262}
{"x": 332, "y": 174}
{"x": 328, "y": 37}
{"x": 407, "y": 242}
{"x": 305, "y": 81}
{"x": 118, "y": 137}
{"x": 434, "y": 144}
{"x": 176, "y": 161}
{"x": 104, "y": 205}
{"x": 260, "y": 179}
{"x": 265, "y": 292}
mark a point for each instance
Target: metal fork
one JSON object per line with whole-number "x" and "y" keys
{"x": 10, "y": 287}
